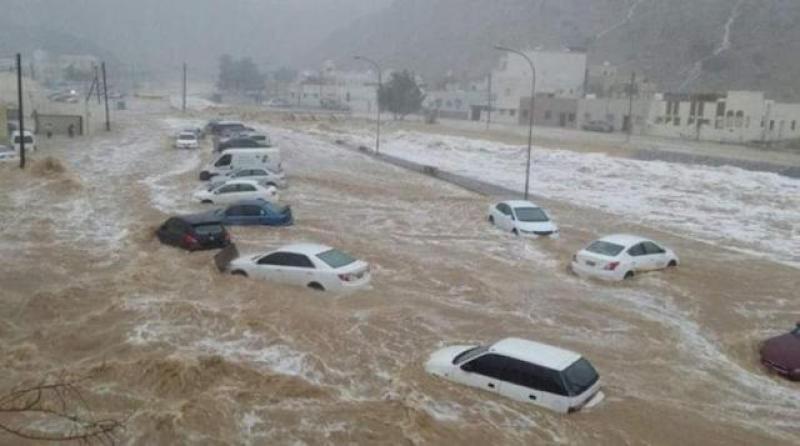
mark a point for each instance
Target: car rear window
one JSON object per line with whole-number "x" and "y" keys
{"x": 605, "y": 248}
{"x": 335, "y": 258}
{"x": 580, "y": 376}
{"x": 208, "y": 228}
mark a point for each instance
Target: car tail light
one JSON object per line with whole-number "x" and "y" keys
{"x": 188, "y": 240}
{"x": 611, "y": 266}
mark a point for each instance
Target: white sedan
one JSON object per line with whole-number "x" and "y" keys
{"x": 619, "y": 257}
{"x": 526, "y": 371}
{"x": 523, "y": 218}
{"x": 318, "y": 267}
{"x": 263, "y": 175}
{"x": 186, "y": 140}
{"x": 237, "y": 190}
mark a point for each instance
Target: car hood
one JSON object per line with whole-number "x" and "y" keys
{"x": 544, "y": 226}
{"x": 441, "y": 361}
{"x": 783, "y": 351}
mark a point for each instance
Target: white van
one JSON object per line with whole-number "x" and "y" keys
{"x": 30, "y": 141}
{"x": 522, "y": 370}
{"x": 235, "y": 159}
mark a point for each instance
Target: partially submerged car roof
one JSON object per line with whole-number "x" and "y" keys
{"x": 205, "y": 218}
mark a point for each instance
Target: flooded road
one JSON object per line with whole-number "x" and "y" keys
{"x": 190, "y": 356}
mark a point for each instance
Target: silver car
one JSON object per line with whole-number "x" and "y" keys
{"x": 263, "y": 176}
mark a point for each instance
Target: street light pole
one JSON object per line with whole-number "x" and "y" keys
{"x": 530, "y": 112}
{"x": 377, "y": 100}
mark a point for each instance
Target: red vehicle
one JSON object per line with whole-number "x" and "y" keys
{"x": 782, "y": 354}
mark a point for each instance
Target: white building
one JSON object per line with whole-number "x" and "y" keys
{"x": 559, "y": 73}
{"x": 733, "y": 117}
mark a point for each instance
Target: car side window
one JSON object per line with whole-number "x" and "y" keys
{"x": 277, "y": 259}
{"x": 246, "y": 188}
{"x": 251, "y": 211}
{"x": 234, "y": 211}
{"x": 637, "y": 250}
{"x": 534, "y": 377}
{"x": 229, "y": 188}
{"x": 651, "y": 248}
{"x": 224, "y": 161}
{"x": 299, "y": 261}
{"x": 504, "y": 209}
{"x": 490, "y": 365}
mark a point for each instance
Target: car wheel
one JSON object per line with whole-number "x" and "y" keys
{"x": 491, "y": 220}
{"x": 205, "y": 176}
{"x": 672, "y": 263}
{"x": 207, "y": 202}
{"x": 239, "y": 272}
{"x": 629, "y": 275}
{"x": 316, "y": 286}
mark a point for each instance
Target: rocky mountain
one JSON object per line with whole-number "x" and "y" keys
{"x": 683, "y": 45}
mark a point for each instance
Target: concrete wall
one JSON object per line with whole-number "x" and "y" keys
{"x": 550, "y": 111}
{"x": 614, "y": 112}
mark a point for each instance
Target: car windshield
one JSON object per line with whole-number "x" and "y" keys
{"x": 605, "y": 248}
{"x": 335, "y": 258}
{"x": 208, "y": 228}
{"x": 186, "y": 137}
{"x": 531, "y": 215}
{"x": 580, "y": 376}
{"x": 469, "y": 354}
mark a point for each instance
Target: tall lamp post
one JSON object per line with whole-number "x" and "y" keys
{"x": 530, "y": 112}
{"x": 377, "y": 99}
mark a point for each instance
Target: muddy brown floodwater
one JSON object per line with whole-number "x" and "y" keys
{"x": 189, "y": 356}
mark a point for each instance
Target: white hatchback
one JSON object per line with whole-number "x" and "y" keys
{"x": 237, "y": 190}
{"x": 523, "y": 218}
{"x": 318, "y": 267}
{"x": 621, "y": 256}
{"x": 522, "y": 370}
{"x": 263, "y": 175}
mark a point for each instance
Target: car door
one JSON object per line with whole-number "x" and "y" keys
{"x": 531, "y": 383}
{"x": 505, "y": 220}
{"x": 251, "y": 215}
{"x": 484, "y": 372}
{"x": 655, "y": 256}
{"x": 272, "y": 267}
{"x": 247, "y": 192}
{"x": 227, "y": 193}
{"x": 234, "y": 215}
{"x": 637, "y": 257}
{"x": 300, "y": 270}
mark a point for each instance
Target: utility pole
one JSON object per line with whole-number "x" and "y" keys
{"x": 184, "y": 88}
{"x": 489, "y": 103}
{"x": 97, "y": 84}
{"x": 21, "y": 113}
{"x": 530, "y": 111}
{"x": 630, "y": 107}
{"x": 105, "y": 94}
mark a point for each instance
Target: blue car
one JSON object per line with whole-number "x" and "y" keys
{"x": 255, "y": 212}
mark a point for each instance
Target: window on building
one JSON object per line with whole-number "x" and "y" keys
{"x": 720, "y": 109}
{"x": 794, "y": 125}
{"x": 677, "y": 121}
{"x": 701, "y": 108}
{"x": 772, "y": 125}
{"x": 729, "y": 119}
{"x": 524, "y": 114}
{"x": 547, "y": 115}
{"x": 739, "y": 119}
{"x": 512, "y": 112}
{"x": 719, "y": 123}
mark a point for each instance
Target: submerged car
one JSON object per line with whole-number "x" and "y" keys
{"x": 523, "y": 218}
{"x": 621, "y": 256}
{"x": 255, "y": 212}
{"x": 782, "y": 354}
{"x": 236, "y": 190}
{"x": 194, "y": 232}
{"x": 318, "y": 267}
{"x": 263, "y": 175}
{"x": 187, "y": 140}
{"x": 526, "y": 371}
